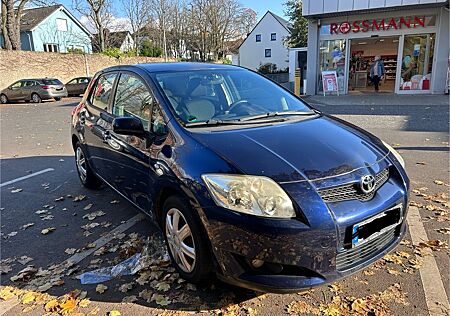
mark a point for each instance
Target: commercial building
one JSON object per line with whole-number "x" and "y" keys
{"x": 411, "y": 36}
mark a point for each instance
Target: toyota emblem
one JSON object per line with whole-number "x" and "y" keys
{"x": 367, "y": 184}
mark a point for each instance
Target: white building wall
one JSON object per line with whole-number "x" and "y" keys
{"x": 319, "y": 7}
{"x": 252, "y": 53}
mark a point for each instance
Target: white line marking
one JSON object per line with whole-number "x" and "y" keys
{"x": 435, "y": 296}
{"x": 26, "y": 177}
{"x": 76, "y": 258}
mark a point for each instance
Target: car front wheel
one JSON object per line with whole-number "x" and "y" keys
{"x": 185, "y": 240}
{"x": 58, "y": 98}
{"x": 3, "y": 99}
{"x": 85, "y": 174}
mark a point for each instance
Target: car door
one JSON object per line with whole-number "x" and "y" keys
{"x": 128, "y": 161}
{"x": 82, "y": 85}
{"x": 72, "y": 86}
{"x": 27, "y": 89}
{"x": 15, "y": 90}
{"x": 96, "y": 122}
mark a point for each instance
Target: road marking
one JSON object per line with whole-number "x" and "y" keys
{"x": 26, "y": 177}
{"x": 435, "y": 296}
{"x": 76, "y": 258}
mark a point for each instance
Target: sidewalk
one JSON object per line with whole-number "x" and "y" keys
{"x": 378, "y": 99}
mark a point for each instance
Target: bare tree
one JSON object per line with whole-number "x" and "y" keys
{"x": 137, "y": 12}
{"x": 99, "y": 14}
{"x": 11, "y": 18}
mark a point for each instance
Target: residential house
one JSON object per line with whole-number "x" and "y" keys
{"x": 52, "y": 29}
{"x": 266, "y": 43}
{"x": 121, "y": 40}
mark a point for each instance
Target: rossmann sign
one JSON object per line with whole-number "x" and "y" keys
{"x": 364, "y": 26}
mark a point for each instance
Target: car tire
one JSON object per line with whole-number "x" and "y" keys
{"x": 85, "y": 173}
{"x": 57, "y": 98}
{"x": 35, "y": 98}
{"x": 181, "y": 241}
{"x": 3, "y": 99}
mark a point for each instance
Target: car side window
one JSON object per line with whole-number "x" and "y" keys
{"x": 17, "y": 84}
{"x": 102, "y": 92}
{"x": 73, "y": 81}
{"x": 83, "y": 80}
{"x": 133, "y": 99}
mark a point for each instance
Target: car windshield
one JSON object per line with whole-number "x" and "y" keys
{"x": 52, "y": 82}
{"x": 234, "y": 95}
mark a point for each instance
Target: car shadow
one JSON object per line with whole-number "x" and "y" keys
{"x": 56, "y": 199}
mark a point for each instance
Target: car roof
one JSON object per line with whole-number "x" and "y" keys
{"x": 38, "y": 79}
{"x": 172, "y": 66}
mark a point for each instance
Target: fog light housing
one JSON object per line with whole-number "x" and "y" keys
{"x": 256, "y": 263}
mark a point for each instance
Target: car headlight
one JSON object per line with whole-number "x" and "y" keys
{"x": 395, "y": 153}
{"x": 255, "y": 195}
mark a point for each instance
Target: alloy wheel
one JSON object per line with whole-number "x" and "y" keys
{"x": 3, "y": 99}
{"x": 81, "y": 164}
{"x": 180, "y": 240}
{"x": 35, "y": 98}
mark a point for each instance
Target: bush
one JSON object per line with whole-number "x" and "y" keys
{"x": 268, "y": 68}
{"x": 75, "y": 51}
{"x": 113, "y": 52}
{"x": 150, "y": 50}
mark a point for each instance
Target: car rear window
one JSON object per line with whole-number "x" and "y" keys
{"x": 52, "y": 82}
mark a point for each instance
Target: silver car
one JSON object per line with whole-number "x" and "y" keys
{"x": 34, "y": 90}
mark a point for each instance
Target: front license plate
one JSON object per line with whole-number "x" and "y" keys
{"x": 376, "y": 225}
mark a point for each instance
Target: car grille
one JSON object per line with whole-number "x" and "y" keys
{"x": 352, "y": 257}
{"x": 351, "y": 192}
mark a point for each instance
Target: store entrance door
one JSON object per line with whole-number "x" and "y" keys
{"x": 363, "y": 53}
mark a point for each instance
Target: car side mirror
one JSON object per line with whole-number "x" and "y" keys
{"x": 128, "y": 126}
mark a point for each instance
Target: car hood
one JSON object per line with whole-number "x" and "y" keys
{"x": 304, "y": 150}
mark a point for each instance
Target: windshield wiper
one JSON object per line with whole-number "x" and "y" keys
{"x": 213, "y": 122}
{"x": 275, "y": 114}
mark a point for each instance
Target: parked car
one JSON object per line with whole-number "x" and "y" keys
{"x": 34, "y": 90}
{"x": 77, "y": 86}
{"x": 245, "y": 179}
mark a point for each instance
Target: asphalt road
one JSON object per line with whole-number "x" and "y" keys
{"x": 36, "y": 138}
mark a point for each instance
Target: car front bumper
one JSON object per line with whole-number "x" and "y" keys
{"x": 295, "y": 257}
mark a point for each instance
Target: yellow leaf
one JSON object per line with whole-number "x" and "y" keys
{"x": 84, "y": 302}
{"x": 52, "y": 306}
{"x": 6, "y": 294}
{"x": 28, "y": 298}
{"x": 114, "y": 313}
{"x": 68, "y": 305}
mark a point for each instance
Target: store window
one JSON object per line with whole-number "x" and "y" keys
{"x": 417, "y": 62}
{"x": 332, "y": 58}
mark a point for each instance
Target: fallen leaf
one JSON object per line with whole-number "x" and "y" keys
{"x": 45, "y": 231}
{"x": 68, "y": 305}
{"x": 84, "y": 302}
{"x": 87, "y": 207}
{"x": 61, "y": 198}
{"x": 162, "y": 286}
{"x": 393, "y": 271}
{"x": 12, "y": 234}
{"x": 28, "y": 298}
{"x": 125, "y": 287}
{"x": 445, "y": 231}
{"x": 6, "y": 293}
{"x": 113, "y": 313}
{"x": 79, "y": 198}
{"x": 161, "y": 299}
{"x": 129, "y": 299}
{"x": 16, "y": 190}
{"x": 24, "y": 260}
{"x": 52, "y": 306}
{"x": 101, "y": 288}
{"x": 70, "y": 251}
{"x": 439, "y": 182}
{"x": 114, "y": 202}
{"x": 26, "y": 226}
{"x": 4, "y": 268}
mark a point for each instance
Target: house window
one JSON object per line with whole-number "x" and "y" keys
{"x": 273, "y": 36}
{"x": 268, "y": 53}
{"x": 61, "y": 25}
{"x": 52, "y": 48}
{"x": 258, "y": 37}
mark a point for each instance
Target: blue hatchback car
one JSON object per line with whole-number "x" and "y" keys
{"x": 246, "y": 180}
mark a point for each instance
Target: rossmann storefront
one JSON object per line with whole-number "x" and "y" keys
{"x": 412, "y": 43}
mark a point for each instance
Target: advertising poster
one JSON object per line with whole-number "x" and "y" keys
{"x": 330, "y": 82}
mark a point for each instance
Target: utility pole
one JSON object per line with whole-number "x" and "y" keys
{"x": 163, "y": 21}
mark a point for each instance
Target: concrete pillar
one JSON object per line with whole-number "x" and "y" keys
{"x": 313, "y": 55}
{"x": 440, "y": 59}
